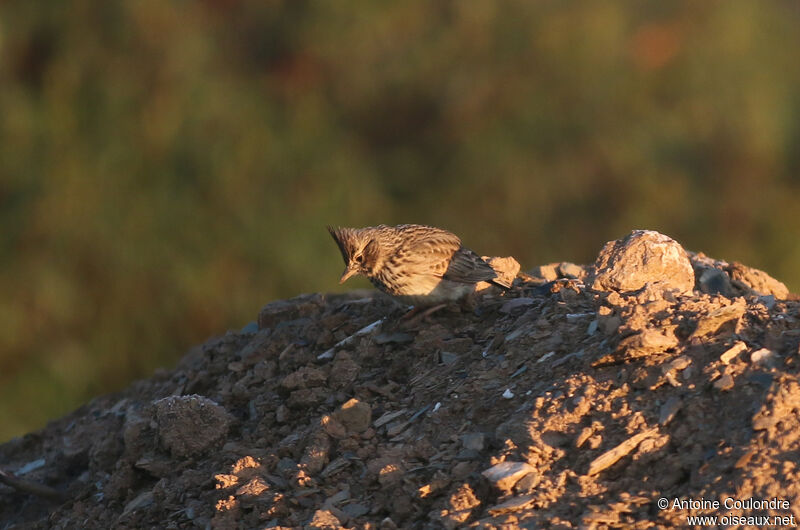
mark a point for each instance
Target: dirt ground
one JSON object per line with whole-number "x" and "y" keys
{"x": 561, "y": 403}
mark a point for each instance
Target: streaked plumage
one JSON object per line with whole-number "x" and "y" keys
{"x": 420, "y": 265}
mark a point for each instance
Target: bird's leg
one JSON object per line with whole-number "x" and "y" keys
{"x": 410, "y": 313}
{"x": 419, "y": 316}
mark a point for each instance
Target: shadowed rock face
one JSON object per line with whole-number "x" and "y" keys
{"x": 548, "y": 402}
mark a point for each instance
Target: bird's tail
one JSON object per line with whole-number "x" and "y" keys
{"x": 506, "y": 270}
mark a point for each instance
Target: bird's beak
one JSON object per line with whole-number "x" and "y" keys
{"x": 349, "y": 271}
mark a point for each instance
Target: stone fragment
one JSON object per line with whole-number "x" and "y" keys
{"x": 732, "y": 352}
{"x": 677, "y": 364}
{"x": 724, "y": 383}
{"x": 389, "y": 471}
{"x": 669, "y": 410}
{"x": 512, "y": 505}
{"x": 584, "y": 435}
{"x": 30, "y": 466}
{"x": 768, "y": 301}
{"x": 355, "y": 415}
{"x": 316, "y": 454}
{"x": 250, "y": 327}
{"x": 642, "y": 257}
{"x": 721, "y": 320}
{"x": 570, "y": 270}
{"x": 764, "y": 357}
{"x": 515, "y": 303}
{"x": 388, "y": 524}
{"x": 285, "y": 310}
{"x": 505, "y": 268}
{"x": 504, "y": 475}
{"x": 396, "y": 337}
{"x": 190, "y": 425}
{"x": 474, "y": 441}
{"x": 448, "y": 358}
{"x": 252, "y": 488}
{"x": 609, "y": 458}
{"x": 333, "y": 427}
{"x": 355, "y": 509}
{"x": 387, "y": 417}
{"x": 713, "y": 281}
{"x": 762, "y": 422}
{"x": 306, "y": 397}
{"x": 324, "y": 519}
{"x": 140, "y": 501}
{"x": 647, "y": 342}
{"x": 758, "y": 281}
{"x": 547, "y": 272}
{"x": 344, "y": 371}
{"x": 305, "y": 377}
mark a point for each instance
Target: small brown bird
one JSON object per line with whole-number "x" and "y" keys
{"x": 419, "y": 265}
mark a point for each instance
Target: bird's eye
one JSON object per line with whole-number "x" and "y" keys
{"x": 360, "y": 259}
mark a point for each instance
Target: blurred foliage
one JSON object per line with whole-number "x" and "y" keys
{"x": 168, "y": 166}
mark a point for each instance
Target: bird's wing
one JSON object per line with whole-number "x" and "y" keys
{"x": 440, "y": 253}
{"x": 468, "y": 267}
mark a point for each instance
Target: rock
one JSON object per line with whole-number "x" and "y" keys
{"x": 677, "y": 364}
{"x": 758, "y": 281}
{"x": 142, "y": 500}
{"x": 474, "y": 441}
{"x": 570, "y": 270}
{"x": 448, "y": 358}
{"x": 393, "y": 338}
{"x": 547, "y": 272}
{"x": 389, "y": 471}
{"x": 515, "y": 303}
{"x": 250, "y": 327}
{"x": 316, "y": 454}
{"x": 306, "y": 397}
{"x": 459, "y": 507}
{"x": 732, "y": 352}
{"x": 333, "y": 427}
{"x": 768, "y": 301}
{"x": 305, "y": 377}
{"x": 505, "y": 268}
{"x": 355, "y": 415}
{"x": 344, "y": 371}
{"x": 724, "y": 383}
{"x": 504, "y": 475}
{"x": 721, "y": 320}
{"x": 324, "y": 519}
{"x": 669, "y": 410}
{"x": 284, "y": 310}
{"x": 257, "y": 345}
{"x": 764, "y": 356}
{"x": 642, "y": 257}
{"x": 512, "y": 505}
{"x": 612, "y": 456}
{"x": 647, "y": 342}
{"x": 714, "y": 281}
{"x": 388, "y": 524}
{"x": 355, "y": 509}
{"x": 30, "y": 466}
{"x": 190, "y": 425}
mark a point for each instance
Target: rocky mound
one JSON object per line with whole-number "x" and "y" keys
{"x": 585, "y": 396}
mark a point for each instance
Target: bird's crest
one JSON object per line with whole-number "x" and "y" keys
{"x": 344, "y": 240}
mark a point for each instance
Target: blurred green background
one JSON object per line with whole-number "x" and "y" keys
{"x": 167, "y": 167}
